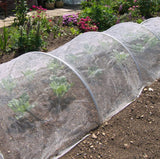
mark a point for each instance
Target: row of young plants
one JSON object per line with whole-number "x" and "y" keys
{"x": 21, "y": 105}
{"x": 30, "y": 33}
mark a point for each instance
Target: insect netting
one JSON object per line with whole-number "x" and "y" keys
{"x": 49, "y": 101}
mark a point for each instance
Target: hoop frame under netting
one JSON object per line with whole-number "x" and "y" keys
{"x": 73, "y": 89}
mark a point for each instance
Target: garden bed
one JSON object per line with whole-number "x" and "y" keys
{"x": 52, "y": 43}
{"x": 132, "y": 133}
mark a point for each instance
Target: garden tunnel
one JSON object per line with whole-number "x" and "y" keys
{"x": 50, "y": 101}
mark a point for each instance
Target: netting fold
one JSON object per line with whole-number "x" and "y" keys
{"x": 49, "y": 101}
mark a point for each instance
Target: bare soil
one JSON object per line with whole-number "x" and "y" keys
{"x": 134, "y": 133}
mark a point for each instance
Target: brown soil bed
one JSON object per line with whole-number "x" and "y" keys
{"x": 132, "y": 133}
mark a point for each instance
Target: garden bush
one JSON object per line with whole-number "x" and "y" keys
{"x": 86, "y": 24}
{"x": 29, "y": 31}
{"x": 87, "y": 3}
{"x": 70, "y": 19}
{"x": 147, "y": 7}
{"x": 103, "y": 16}
{"x": 4, "y": 39}
{"x": 21, "y": 12}
{"x": 120, "y": 7}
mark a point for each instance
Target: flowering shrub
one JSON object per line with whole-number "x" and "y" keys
{"x": 147, "y": 8}
{"x": 134, "y": 11}
{"x": 133, "y": 8}
{"x": 41, "y": 16}
{"x": 123, "y": 7}
{"x": 102, "y": 15}
{"x": 70, "y": 19}
{"x": 120, "y": 7}
{"x": 86, "y": 24}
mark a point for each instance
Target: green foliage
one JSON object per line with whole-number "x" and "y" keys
{"x": 60, "y": 86}
{"x": 89, "y": 48}
{"x": 56, "y": 30}
{"x": 55, "y": 66}
{"x": 40, "y": 16}
{"x": 21, "y": 12}
{"x": 120, "y": 56}
{"x": 8, "y": 84}
{"x": 4, "y": 37}
{"x": 72, "y": 58}
{"x": 139, "y": 20}
{"x": 29, "y": 34}
{"x": 74, "y": 31}
{"x": 134, "y": 13}
{"x": 147, "y": 7}
{"x": 29, "y": 74}
{"x": 87, "y": 3}
{"x": 121, "y": 6}
{"x": 29, "y": 37}
{"x": 103, "y": 16}
{"x": 26, "y": 38}
{"x": 20, "y": 105}
{"x": 14, "y": 35}
{"x": 94, "y": 72}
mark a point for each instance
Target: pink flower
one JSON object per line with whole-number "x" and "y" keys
{"x": 135, "y": 1}
{"x": 86, "y": 24}
{"x": 34, "y": 7}
{"x": 30, "y": 9}
{"x": 33, "y": 16}
{"x": 107, "y": 6}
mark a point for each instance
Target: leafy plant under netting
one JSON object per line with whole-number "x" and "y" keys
{"x": 48, "y": 102}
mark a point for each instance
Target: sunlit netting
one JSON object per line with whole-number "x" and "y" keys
{"x": 49, "y": 101}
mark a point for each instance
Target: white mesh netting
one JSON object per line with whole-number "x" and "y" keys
{"x": 49, "y": 101}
